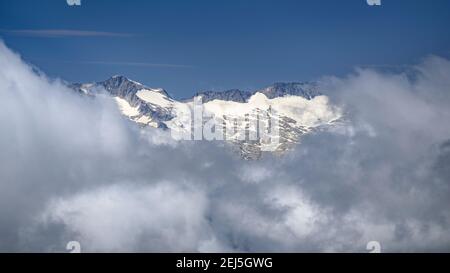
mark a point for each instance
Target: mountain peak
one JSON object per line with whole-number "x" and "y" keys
{"x": 228, "y": 95}
{"x": 308, "y": 90}
{"x": 121, "y": 86}
{"x": 120, "y": 79}
{"x": 118, "y": 76}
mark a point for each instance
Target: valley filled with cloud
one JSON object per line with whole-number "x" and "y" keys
{"x": 72, "y": 168}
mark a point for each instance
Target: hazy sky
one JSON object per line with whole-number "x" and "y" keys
{"x": 187, "y": 46}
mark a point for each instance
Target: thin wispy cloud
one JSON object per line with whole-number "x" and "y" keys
{"x": 121, "y": 63}
{"x": 142, "y": 64}
{"x": 55, "y": 33}
{"x": 384, "y": 66}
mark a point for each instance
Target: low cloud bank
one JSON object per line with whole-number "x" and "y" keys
{"x": 72, "y": 168}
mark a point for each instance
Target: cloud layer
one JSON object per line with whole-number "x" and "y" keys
{"x": 72, "y": 168}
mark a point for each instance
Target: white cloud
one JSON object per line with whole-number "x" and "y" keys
{"x": 54, "y": 33}
{"x": 72, "y": 168}
{"x": 162, "y": 217}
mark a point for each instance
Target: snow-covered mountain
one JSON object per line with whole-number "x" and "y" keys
{"x": 293, "y": 109}
{"x": 144, "y": 105}
{"x": 306, "y": 90}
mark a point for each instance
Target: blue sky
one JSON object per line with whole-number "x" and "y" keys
{"x": 186, "y": 46}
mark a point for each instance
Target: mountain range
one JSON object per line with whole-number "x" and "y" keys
{"x": 296, "y": 109}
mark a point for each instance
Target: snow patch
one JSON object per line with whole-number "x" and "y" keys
{"x": 154, "y": 96}
{"x": 126, "y": 108}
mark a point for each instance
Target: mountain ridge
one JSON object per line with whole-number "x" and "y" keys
{"x": 299, "y": 109}
{"x": 118, "y": 84}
